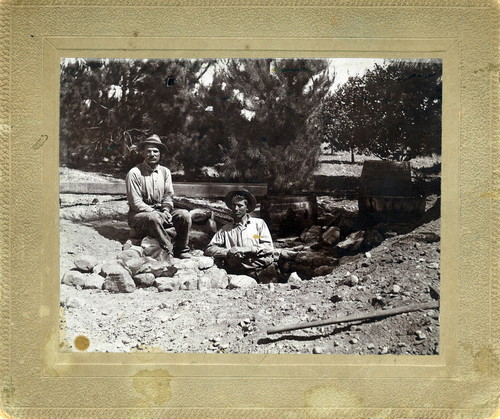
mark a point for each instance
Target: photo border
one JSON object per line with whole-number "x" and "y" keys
{"x": 262, "y": 365}
{"x": 38, "y": 380}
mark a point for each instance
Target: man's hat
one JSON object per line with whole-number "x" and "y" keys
{"x": 252, "y": 202}
{"x": 152, "y": 140}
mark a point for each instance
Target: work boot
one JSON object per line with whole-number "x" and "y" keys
{"x": 183, "y": 254}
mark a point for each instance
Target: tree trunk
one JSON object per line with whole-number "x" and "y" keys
{"x": 352, "y": 155}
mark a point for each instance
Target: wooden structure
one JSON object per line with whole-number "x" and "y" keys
{"x": 183, "y": 189}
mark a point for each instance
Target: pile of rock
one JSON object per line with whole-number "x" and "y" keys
{"x": 140, "y": 266}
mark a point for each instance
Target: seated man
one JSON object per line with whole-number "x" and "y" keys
{"x": 244, "y": 246}
{"x": 150, "y": 198}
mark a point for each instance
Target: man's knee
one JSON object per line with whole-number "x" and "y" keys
{"x": 182, "y": 216}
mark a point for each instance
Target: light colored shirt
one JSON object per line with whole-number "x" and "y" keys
{"x": 253, "y": 233}
{"x": 148, "y": 187}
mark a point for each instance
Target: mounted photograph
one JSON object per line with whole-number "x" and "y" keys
{"x": 250, "y": 206}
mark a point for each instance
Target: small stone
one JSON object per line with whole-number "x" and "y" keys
{"x": 317, "y": 350}
{"x": 86, "y": 263}
{"x": 352, "y": 280}
{"x": 401, "y": 344}
{"x": 384, "y": 350}
{"x": 396, "y": 289}
{"x": 433, "y": 265}
{"x": 295, "y": 280}
{"x": 73, "y": 278}
{"x": 335, "y": 343}
{"x": 73, "y": 303}
{"x": 312, "y": 308}
{"x": 370, "y": 346}
{"x": 420, "y": 335}
{"x": 353, "y": 340}
{"x": 368, "y": 255}
{"x": 271, "y": 287}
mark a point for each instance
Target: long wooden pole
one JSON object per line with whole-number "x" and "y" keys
{"x": 357, "y": 317}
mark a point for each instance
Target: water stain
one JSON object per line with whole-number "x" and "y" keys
{"x": 332, "y": 396}
{"x": 486, "y": 362}
{"x": 5, "y": 415}
{"x": 81, "y": 343}
{"x": 153, "y": 386}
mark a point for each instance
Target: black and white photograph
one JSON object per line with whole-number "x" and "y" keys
{"x": 250, "y": 206}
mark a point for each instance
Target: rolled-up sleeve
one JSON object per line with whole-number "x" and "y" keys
{"x": 216, "y": 248}
{"x": 167, "y": 202}
{"x": 134, "y": 194}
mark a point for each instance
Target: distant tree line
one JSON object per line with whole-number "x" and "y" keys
{"x": 392, "y": 111}
{"x": 253, "y": 120}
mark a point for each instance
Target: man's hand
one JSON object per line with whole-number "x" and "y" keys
{"x": 264, "y": 251}
{"x": 238, "y": 251}
{"x": 167, "y": 217}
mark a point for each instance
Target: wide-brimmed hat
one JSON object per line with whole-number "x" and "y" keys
{"x": 252, "y": 202}
{"x": 152, "y": 140}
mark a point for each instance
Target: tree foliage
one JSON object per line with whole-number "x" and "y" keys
{"x": 280, "y": 140}
{"x": 256, "y": 120}
{"x": 392, "y": 111}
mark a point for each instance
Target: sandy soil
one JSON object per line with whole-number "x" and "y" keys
{"x": 398, "y": 272}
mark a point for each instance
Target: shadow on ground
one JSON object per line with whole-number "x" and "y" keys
{"x": 111, "y": 229}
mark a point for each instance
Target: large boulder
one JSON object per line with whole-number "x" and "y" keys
{"x": 373, "y": 238}
{"x": 213, "y": 277}
{"x": 312, "y": 234}
{"x": 167, "y": 284}
{"x": 204, "y": 262}
{"x": 117, "y": 278}
{"x": 331, "y": 236}
{"x": 241, "y": 281}
{"x": 144, "y": 280}
{"x": 162, "y": 269}
{"x": 352, "y": 242}
{"x": 125, "y": 255}
{"x": 73, "y": 278}
{"x": 200, "y": 215}
{"x": 140, "y": 265}
{"x": 86, "y": 263}
{"x": 93, "y": 282}
{"x": 187, "y": 265}
{"x": 323, "y": 270}
{"x": 151, "y": 247}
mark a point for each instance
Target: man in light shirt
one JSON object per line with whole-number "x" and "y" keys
{"x": 150, "y": 197}
{"x": 244, "y": 246}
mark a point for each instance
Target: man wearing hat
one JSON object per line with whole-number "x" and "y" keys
{"x": 150, "y": 198}
{"x": 244, "y": 246}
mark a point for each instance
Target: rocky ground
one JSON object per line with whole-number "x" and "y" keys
{"x": 403, "y": 269}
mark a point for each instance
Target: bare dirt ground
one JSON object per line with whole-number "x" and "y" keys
{"x": 403, "y": 270}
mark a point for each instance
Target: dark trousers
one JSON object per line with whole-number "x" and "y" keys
{"x": 261, "y": 268}
{"x": 153, "y": 224}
